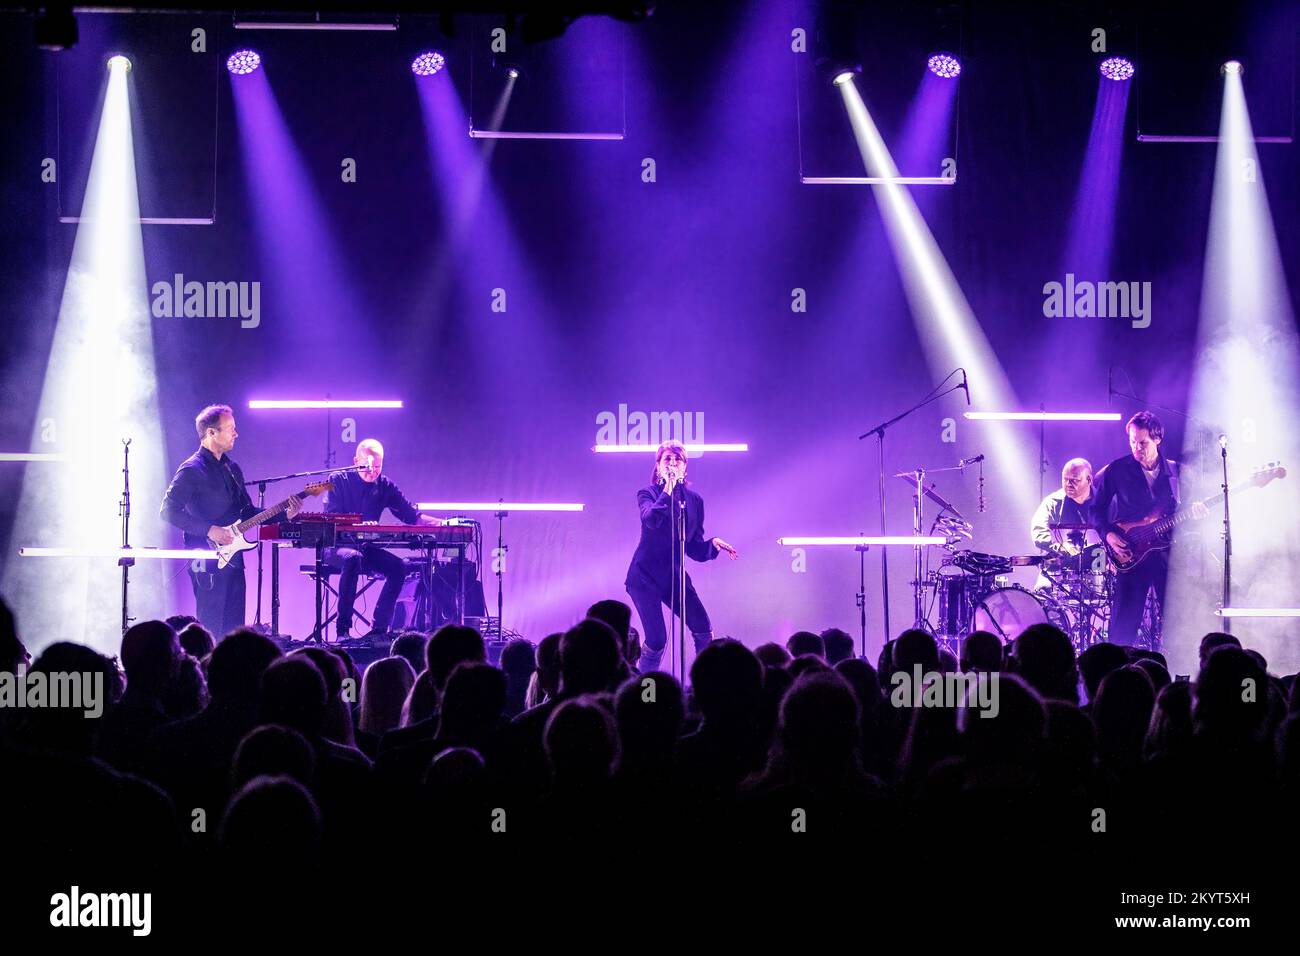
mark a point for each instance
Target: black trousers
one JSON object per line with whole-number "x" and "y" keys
{"x": 649, "y": 601}
{"x": 219, "y": 596}
{"x": 372, "y": 560}
{"x": 1131, "y": 597}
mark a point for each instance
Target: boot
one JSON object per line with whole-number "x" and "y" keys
{"x": 649, "y": 660}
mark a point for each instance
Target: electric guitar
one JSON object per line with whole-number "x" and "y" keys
{"x": 1155, "y": 532}
{"x": 225, "y": 552}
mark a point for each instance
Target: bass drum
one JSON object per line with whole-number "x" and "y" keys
{"x": 1007, "y": 611}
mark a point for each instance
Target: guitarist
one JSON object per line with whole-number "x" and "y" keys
{"x": 1130, "y": 489}
{"x": 206, "y": 495}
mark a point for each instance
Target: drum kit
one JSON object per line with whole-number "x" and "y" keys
{"x": 973, "y": 590}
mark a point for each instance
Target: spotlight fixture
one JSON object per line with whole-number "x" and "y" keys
{"x": 242, "y": 62}
{"x": 1117, "y": 68}
{"x": 513, "y": 72}
{"x": 118, "y": 62}
{"x": 845, "y": 76}
{"x": 428, "y": 63}
{"x": 1232, "y": 66}
{"x": 56, "y": 27}
{"x": 944, "y": 65}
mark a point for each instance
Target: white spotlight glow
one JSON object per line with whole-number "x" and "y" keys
{"x": 100, "y": 388}
{"x": 950, "y": 333}
{"x": 843, "y": 77}
{"x": 119, "y": 62}
{"x": 1232, "y": 66}
{"x": 1245, "y": 385}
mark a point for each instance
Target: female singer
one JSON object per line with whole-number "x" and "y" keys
{"x": 652, "y": 578}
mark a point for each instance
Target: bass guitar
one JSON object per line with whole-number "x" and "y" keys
{"x": 1154, "y": 533}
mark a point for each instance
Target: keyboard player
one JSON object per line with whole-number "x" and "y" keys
{"x": 368, "y": 493}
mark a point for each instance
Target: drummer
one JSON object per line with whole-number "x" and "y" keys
{"x": 1062, "y": 524}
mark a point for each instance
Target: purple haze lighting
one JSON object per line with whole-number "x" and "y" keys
{"x": 944, "y": 65}
{"x": 242, "y": 62}
{"x": 427, "y": 64}
{"x": 1117, "y": 68}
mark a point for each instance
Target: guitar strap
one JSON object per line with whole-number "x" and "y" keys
{"x": 1173, "y": 481}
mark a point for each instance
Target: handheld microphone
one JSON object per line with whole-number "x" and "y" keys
{"x": 965, "y": 385}
{"x": 970, "y": 461}
{"x": 1223, "y": 442}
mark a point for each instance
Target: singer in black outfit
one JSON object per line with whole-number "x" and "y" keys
{"x": 206, "y": 495}
{"x": 367, "y": 493}
{"x": 1129, "y": 489}
{"x": 652, "y": 578}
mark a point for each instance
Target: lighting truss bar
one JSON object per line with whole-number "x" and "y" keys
{"x": 498, "y": 506}
{"x": 135, "y": 553}
{"x": 153, "y": 220}
{"x": 878, "y": 180}
{"x": 501, "y": 134}
{"x": 909, "y": 541}
{"x": 328, "y": 403}
{"x": 1043, "y": 416}
{"x": 611, "y": 449}
{"x": 1258, "y": 612}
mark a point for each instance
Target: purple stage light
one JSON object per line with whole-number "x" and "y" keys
{"x": 690, "y": 448}
{"x": 944, "y": 65}
{"x": 327, "y": 403}
{"x": 886, "y": 540}
{"x": 242, "y": 62}
{"x": 1042, "y": 416}
{"x": 427, "y": 64}
{"x": 460, "y": 506}
{"x": 1117, "y": 68}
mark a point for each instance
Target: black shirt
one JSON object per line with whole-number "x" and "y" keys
{"x": 653, "y": 561}
{"x": 206, "y": 490}
{"x": 352, "y": 494}
{"x": 1121, "y": 493}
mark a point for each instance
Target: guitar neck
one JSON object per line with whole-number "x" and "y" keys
{"x": 1183, "y": 514}
{"x": 268, "y": 514}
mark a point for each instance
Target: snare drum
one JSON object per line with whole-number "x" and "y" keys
{"x": 1007, "y": 611}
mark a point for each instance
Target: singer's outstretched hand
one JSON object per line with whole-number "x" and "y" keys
{"x": 723, "y": 546}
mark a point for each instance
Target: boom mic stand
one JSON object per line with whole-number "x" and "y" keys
{"x": 879, "y": 432}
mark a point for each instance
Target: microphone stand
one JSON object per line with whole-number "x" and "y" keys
{"x": 862, "y": 550}
{"x": 679, "y": 554}
{"x": 879, "y": 432}
{"x": 1227, "y": 540}
{"x": 124, "y": 510}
